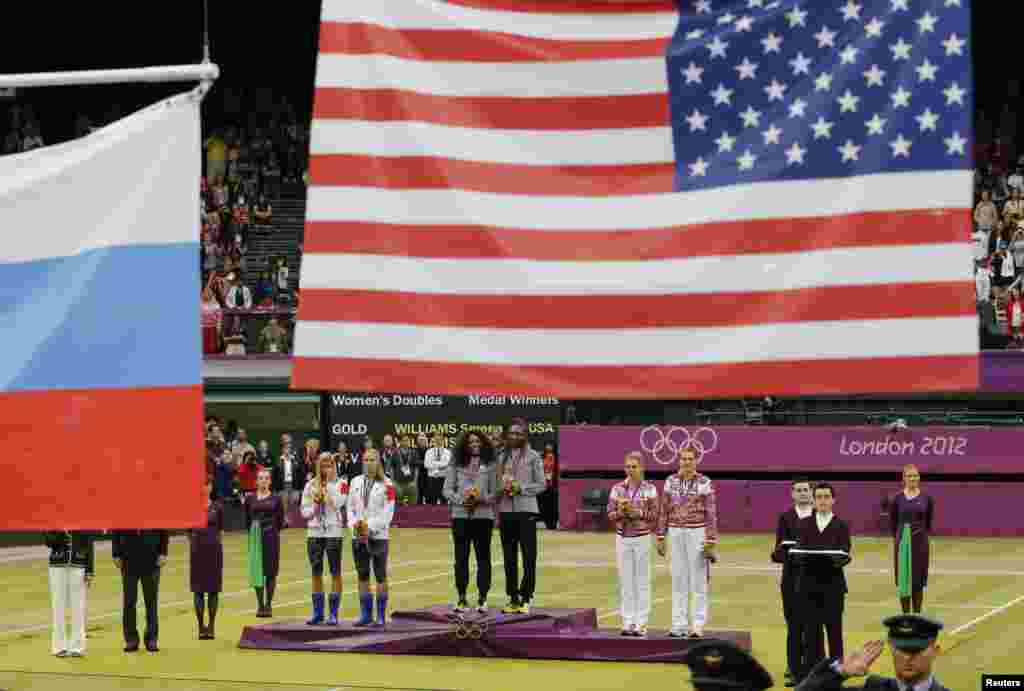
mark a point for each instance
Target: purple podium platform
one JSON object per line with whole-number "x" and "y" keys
{"x": 544, "y": 634}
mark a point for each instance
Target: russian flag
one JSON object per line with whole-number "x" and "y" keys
{"x": 100, "y": 363}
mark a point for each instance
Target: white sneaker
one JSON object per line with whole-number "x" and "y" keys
{"x": 677, "y": 633}
{"x": 640, "y": 631}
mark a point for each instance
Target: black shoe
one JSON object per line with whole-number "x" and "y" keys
{"x": 131, "y": 647}
{"x": 151, "y": 646}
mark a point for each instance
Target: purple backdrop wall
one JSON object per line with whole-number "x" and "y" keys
{"x": 803, "y": 449}
{"x": 975, "y": 509}
{"x": 1002, "y": 371}
{"x": 963, "y": 508}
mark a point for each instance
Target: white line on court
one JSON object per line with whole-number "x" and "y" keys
{"x": 983, "y": 617}
{"x": 236, "y": 593}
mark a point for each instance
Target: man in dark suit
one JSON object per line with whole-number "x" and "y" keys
{"x": 912, "y": 639}
{"x": 139, "y": 555}
{"x": 719, "y": 665}
{"x": 787, "y": 535}
{"x": 824, "y": 547}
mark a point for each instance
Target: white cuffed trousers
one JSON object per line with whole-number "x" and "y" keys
{"x": 689, "y": 575}
{"x": 67, "y": 591}
{"x": 633, "y": 555}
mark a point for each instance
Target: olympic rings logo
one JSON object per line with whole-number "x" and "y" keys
{"x": 664, "y": 446}
{"x": 466, "y": 629}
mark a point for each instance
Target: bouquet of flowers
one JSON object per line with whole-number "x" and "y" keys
{"x": 362, "y": 531}
{"x": 471, "y": 498}
{"x": 512, "y": 488}
{"x": 623, "y": 507}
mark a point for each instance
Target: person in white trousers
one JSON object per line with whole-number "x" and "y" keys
{"x": 689, "y": 518}
{"x": 72, "y": 567}
{"x": 633, "y": 508}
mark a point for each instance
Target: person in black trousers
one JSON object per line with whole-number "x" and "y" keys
{"x": 139, "y": 555}
{"x": 422, "y": 446}
{"x": 521, "y": 479}
{"x": 821, "y": 582}
{"x": 787, "y": 535}
{"x": 470, "y": 486}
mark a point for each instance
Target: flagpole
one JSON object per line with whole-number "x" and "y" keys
{"x": 202, "y": 72}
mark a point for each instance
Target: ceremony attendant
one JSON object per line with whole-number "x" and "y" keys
{"x": 264, "y": 517}
{"x": 323, "y": 500}
{"x": 910, "y": 520}
{"x": 371, "y": 507}
{"x": 72, "y": 568}
{"x": 633, "y": 508}
{"x": 914, "y": 645}
{"x": 521, "y": 479}
{"x": 470, "y": 487}
{"x": 139, "y": 556}
{"x": 787, "y": 535}
{"x": 206, "y": 563}
{"x": 821, "y": 584}
{"x": 688, "y": 517}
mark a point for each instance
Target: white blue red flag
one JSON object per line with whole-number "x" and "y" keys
{"x": 623, "y": 199}
{"x": 101, "y": 398}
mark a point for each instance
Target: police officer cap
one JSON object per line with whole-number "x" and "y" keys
{"x": 912, "y": 631}
{"x": 722, "y": 665}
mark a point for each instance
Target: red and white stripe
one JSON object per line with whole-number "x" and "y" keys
{"x": 491, "y": 210}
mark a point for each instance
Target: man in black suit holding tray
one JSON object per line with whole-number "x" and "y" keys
{"x": 822, "y": 551}
{"x": 787, "y": 535}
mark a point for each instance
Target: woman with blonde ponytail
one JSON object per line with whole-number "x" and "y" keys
{"x": 323, "y": 500}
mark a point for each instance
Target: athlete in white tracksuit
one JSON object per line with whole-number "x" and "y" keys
{"x": 689, "y": 519}
{"x": 633, "y": 508}
{"x": 323, "y": 507}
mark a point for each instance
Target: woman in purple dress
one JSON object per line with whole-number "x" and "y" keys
{"x": 266, "y": 509}
{"x": 916, "y": 509}
{"x": 206, "y": 563}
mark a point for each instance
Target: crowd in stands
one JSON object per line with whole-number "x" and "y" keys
{"x": 417, "y": 465}
{"x": 997, "y": 240}
{"x": 244, "y": 170}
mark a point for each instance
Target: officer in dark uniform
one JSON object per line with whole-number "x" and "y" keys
{"x": 912, "y": 639}
{"x": 138, "y": 555}
{"x": 716, "y": 665}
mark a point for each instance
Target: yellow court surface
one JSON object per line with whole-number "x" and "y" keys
{"x": 976, "y": 588}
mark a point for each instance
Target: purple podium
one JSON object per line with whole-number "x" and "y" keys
{"x": 544, "y": 634}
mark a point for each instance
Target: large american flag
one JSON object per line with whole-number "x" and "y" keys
{"x": 622, "y": 199}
